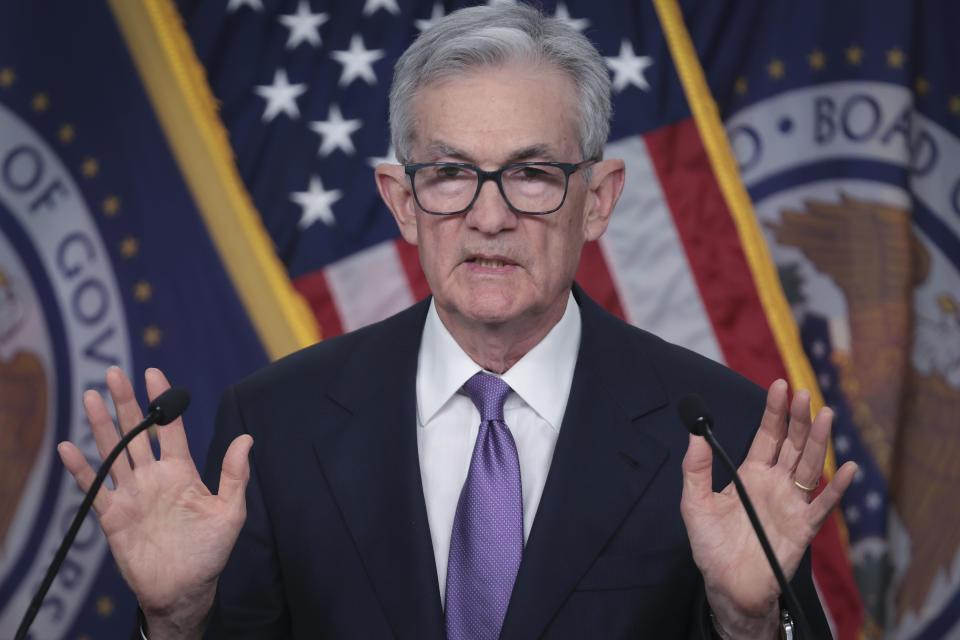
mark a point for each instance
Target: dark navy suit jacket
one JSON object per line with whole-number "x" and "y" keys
{"x": 336, "y": 542}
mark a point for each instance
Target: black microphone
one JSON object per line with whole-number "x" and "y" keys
{"x": 165, "y": 408}
{"x": 168, "y": 406}
{"x": 699, "y": 422}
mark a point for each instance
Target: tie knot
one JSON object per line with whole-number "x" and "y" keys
{"x": 488, "y": 394}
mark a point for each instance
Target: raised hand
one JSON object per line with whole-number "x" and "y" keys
{"x": 740, "y": 585}
{"x": 168, "y": 534}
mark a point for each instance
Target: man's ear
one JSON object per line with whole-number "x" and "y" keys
{"x": 606, "y": 185}
{"x": 396, "y": 192}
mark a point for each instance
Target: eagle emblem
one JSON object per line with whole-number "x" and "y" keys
{"x": 905, "y": 413}
{"x": 23, "y": 406}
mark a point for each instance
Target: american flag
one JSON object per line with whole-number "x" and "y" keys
{"x": 302, "y": 88}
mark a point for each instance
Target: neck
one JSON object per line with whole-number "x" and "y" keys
{"x": 498, "y": 346}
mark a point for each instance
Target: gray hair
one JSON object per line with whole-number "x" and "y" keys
{"x": 492, "y": 36}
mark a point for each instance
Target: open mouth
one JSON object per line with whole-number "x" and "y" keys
{"x": 490, "y": 263}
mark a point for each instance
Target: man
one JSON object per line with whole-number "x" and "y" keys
{"x": 389, "y": 496}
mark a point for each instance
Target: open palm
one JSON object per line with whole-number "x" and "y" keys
{"x": 168, "y": 534}
{"x": 740, "y": 584}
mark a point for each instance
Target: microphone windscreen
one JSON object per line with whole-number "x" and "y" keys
{"x": 170, "y": 404}
{"x": 694, "y": 414}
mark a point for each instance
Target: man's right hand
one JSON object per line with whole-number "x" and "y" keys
{"x": 168, "y": 534}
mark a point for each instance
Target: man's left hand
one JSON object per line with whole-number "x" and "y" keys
{"x": 741, "y": 588}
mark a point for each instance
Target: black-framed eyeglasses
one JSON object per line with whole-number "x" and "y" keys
{"x": 532, "y": 188}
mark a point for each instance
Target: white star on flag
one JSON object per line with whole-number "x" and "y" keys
{"x": 335, "y": 132}
{"x": 357, "y": 61}
{"x": 280, "y": 96}
{"x": 435, "y": 15}
{"x": 316, "y": 203}
{"x": 389, "y": 158}
{"x": 371, "y": 6}
{"x": 563, "y": 14}
{"x": 304, "y": 25}
{"x": 233, "y": 5}
{"x": 841, "y": 444}
{"x": 628, "y": 68}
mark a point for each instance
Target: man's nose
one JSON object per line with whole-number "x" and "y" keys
{"x": 491, "y": 213}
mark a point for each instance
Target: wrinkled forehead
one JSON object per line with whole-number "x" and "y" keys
{"x": 514, "y": 111}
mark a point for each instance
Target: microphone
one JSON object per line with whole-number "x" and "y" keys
{"x": 699, "y": 422}
{"x": 165, "y": 408}
{"x": 694, "y": 415}
{"x": 168, "y": 406}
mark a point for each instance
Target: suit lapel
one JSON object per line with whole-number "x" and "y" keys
{"x": 602, "y": 464}
{"x": 370, "y": 462}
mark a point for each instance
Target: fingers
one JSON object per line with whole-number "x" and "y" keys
{"x": 83, "y": 473}
{"x": 105, "y": 435}
{"x": 235, "y": 471}
{"x": 773, "y": 426}
{"x": 829, "y": 498}
{"x": 129, "y": 415}
{"x": 799, "y": 451}
{"x": 810, "y": 466}
{"x": 697, "y": 470}
{"x": 172, "y": 437}
{"x": 797, "y": 432}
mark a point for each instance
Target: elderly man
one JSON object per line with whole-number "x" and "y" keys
{"x": 500, "y": 460}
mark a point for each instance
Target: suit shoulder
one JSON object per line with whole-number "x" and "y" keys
{"x": 626, "y": 343}
{"x": 323, "y": 363}
{"x": 675, "y": 363}
{"x": 681, "y": 363}
{"x": 736, "y": 402}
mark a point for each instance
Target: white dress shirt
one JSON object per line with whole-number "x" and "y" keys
{"x": 448, "y": 421}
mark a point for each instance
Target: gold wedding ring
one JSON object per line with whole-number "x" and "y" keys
{"x": 804, "y": 487}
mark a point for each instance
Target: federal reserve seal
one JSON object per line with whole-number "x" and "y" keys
{"x": 859, "y": 196}
{"x": 61, "y": 324}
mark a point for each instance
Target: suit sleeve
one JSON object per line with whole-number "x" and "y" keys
{"x": 250, "y": 599}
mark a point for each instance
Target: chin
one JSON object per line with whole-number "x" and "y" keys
{"x": 489, "y": 306}
{"x": 491, "y": 313}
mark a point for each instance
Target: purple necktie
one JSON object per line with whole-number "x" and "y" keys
{"x": 487, "y": 540}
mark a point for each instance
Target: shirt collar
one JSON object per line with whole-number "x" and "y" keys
{"x": 542, "y": 377}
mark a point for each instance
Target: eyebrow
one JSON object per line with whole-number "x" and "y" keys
{"x": 439, "y": 148}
